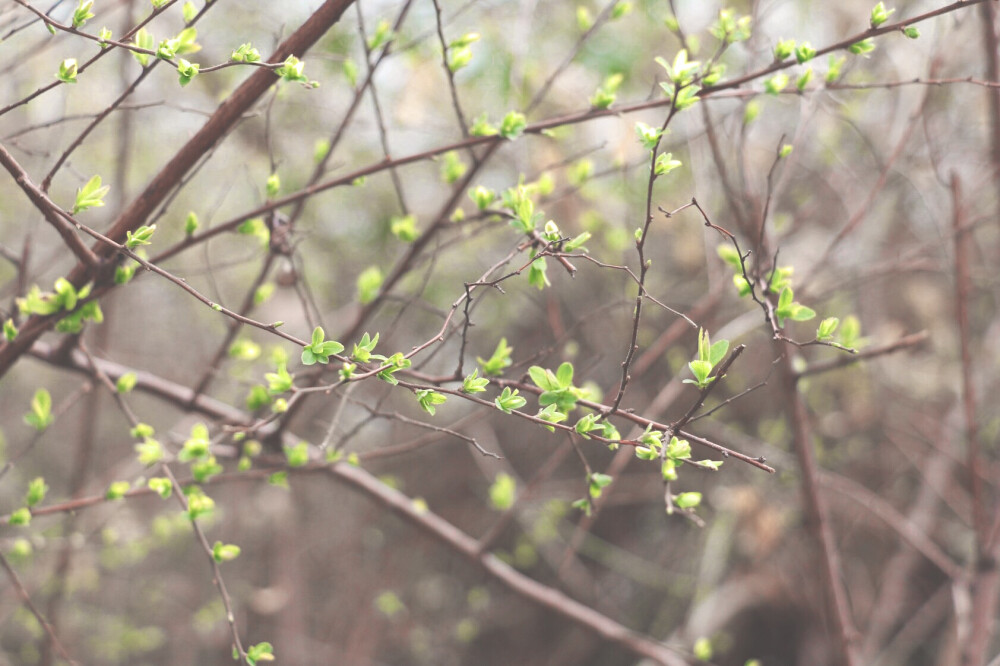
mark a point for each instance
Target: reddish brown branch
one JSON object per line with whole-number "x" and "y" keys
{"x": 53, "y": 214}
{"x": 818, "y": 521}
{"x": 26, "y": 599}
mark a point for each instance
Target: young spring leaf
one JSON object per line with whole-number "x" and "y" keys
{"x": 67, "y": 71}
{"x": 91, "y": 195}
{"x": 512, "y": 125}
{"x": 40, "y": 415}
{"x": 827, "y": 328}
{"x": 509, "y": 400}
{"x": 140, "y": 236}
{"x": 82, "y": 13}
{"x": 474, "y": 384}
{"x": 320, "y": 350}
{"x": 429, "y": 399}
{"x": 503, "y": 491}
{"x": 598, "y": 482}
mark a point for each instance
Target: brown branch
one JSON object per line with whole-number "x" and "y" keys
{"x": 26, "y": 599}
{"x": 905, "y": 342}
{"x": 986, "y": 577}
{"x": 53, "y": 214}
{"x": 818, "y": 522}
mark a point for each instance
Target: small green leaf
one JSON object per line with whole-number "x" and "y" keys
{"x": 482, "y": 127}
{"x": 850, "y": 332}
{"x": 429, "y": 400}
{"x": 605, "y": 94}
{"x": 67, "y": 71}
{"x": 126, "y": 382}
{"x": 863, "y": 48}
{"x": 244, "y": 349}
{"x": 649, "y": 137}
{"x": 620, "y": 10}
{"x": 186, "y": 71}
{"x": 783, "y": 49}
{"x": 149, "y": 451}
{"x": 161, "y": 486}
{"x": 678, "y": 449}
{"x": 668, "y": 469}
{"x": 702, "y": 649}
{"x": 199, "y": 504}
{"x": 880, "y": 15}
{"x": 9, "y": 330}
{"x": 273, "y": 185}
{"x": 718, "y": 352}
{"x": 297, "y": 455}
{"x": 827, "y": 328}
{"x": 700, "y": 370}
{"x": 142, "y": 430}
{"x": 260, "y": 652}
{"x": 687, "y": 500}
{"x": 474, "y": 384}
{"x": 587, "y": 424}
{"x": 459, "y": 57}
{"x": 141, "y": 236}
{"x": 597, "y": 484}
{"x": 197, "y": 446}
{"x": 509, "y": 400}
{"x": 498, "y": 361}
{"x": 368, "y": 284}
{"x": 245, "y": 53}
{"x": 646, "y": 453}
{"x": 117, "y": 489}
{"x": 551, "y": 414}
{"x": 404, "y": 227}
{"x": 503, "y": 491}
{"x": 665, "y": 164}
{"x": 292, "y": 70}
{"x": 143, "y": 40}
{"x": 776, "y": 83}
{"x": 20, "y": 517}
{"x": 804, "y": 79}
{"x": 538, "y": 273}
{"x": 350, "y": 69}
{"x": 482, "y": 196}
{"x": 804, "y": 52}
{"x": 203, "y": 470}
{"x": 834, "y": 65}
{"x": 364, "y": 348}
{"x": 91, "y": 195}
{"x": 36, "y": 491}
{"x": 383, "y": 33}
{"x": 512, "y": 125}
{"x": 40, "y": 417}
{"x": 82, "y": 13}
{"x": 225, "y": 552}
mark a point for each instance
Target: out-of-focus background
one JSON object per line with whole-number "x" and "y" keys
{"x": 884, "y": 168}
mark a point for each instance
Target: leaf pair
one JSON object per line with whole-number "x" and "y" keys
{"x": 320, "y": 350}
{"x": 709, "y": 356}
